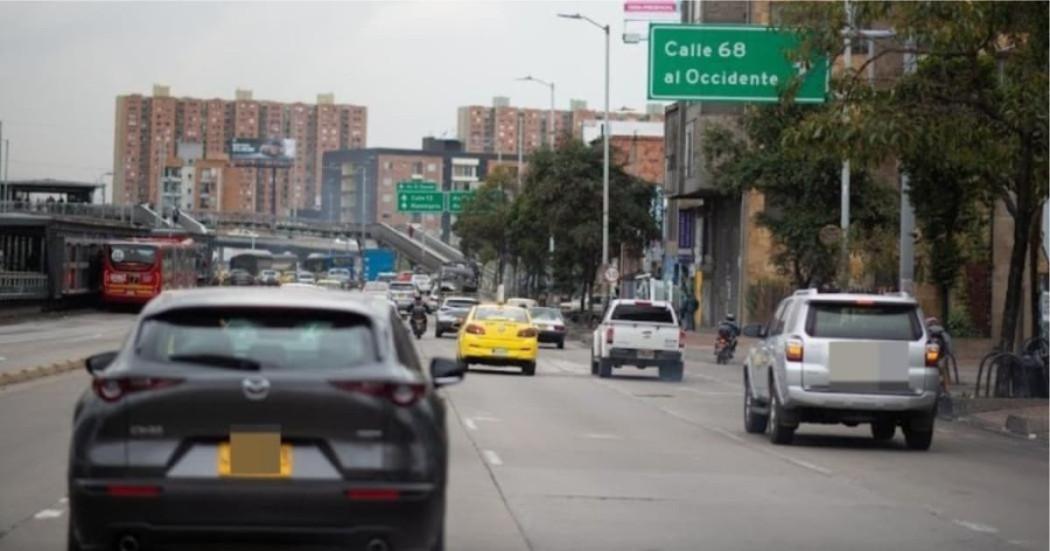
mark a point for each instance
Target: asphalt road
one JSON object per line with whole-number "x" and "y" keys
{"x": 565, "y": 461}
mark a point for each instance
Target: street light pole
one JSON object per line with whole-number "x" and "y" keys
{"x": 550, "y": 113}
{"x": 844, "y": 220}
{"x": 605, "y": 141}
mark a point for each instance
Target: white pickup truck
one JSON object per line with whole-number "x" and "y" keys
{"x": 641, "y": 333}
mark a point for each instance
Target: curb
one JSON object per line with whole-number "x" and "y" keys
{"x": 39, "y": 372}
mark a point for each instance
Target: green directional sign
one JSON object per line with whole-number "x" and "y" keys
{"x": 416, "y": 185}
{"x": 729, "y": 63}
{"x": 420, "y": 201}
{"x": 456, "y": 199}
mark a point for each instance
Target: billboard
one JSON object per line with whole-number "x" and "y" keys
{"x": 262, "y": 152}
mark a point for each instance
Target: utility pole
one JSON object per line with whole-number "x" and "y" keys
{"x": 844, "y": 268}
{"x": 521, "y": 152}
{"x": 906, "y": 282}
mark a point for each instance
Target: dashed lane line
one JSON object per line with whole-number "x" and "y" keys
{"x": 492, "y": 458}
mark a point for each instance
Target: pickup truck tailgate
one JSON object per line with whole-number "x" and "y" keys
{"x": 643, "y": 336}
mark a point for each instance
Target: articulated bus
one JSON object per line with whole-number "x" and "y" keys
{"x": 135, "y": 271}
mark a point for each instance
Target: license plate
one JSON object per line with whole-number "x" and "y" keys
{"x": 499, "y": 351}
{"x": 255, "y": 455}
{"x": 646, "y": 354}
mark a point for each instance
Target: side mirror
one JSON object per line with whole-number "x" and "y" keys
{"x": 754, "y": 330}
{"x": 99, "y": 362}
{"x": 446, "y": 372}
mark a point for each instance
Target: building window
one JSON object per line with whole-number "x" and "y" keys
{"x": 431, "y": 167}
{"x": 464, "y": 172}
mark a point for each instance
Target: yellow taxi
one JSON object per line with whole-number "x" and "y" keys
{"x": 498, "y": 334}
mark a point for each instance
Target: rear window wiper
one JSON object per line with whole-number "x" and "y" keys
{"x": 218, "y": 360}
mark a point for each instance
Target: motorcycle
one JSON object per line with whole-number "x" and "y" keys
{"x": 725, "y": 345}
{"x": 419, "y": 326}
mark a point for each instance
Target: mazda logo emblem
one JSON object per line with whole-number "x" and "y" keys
{"x": 255, "y": 388}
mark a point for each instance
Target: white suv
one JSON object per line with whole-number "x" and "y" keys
{"x": 842, "y": 358}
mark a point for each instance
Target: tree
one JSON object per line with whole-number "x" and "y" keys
{"x": 482, "y": 226}
{"x": 801, "y": 188}
{"x": 563, "y": 195}
{"x": 979, "y": 93}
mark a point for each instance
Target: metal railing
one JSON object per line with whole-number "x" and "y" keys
{"x": 119, "y": 213}
{"x": 22, "y": 285}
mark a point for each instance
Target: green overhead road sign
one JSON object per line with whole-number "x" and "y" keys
{"x": 456, "y": 199}
{"x": 729, "y": 63}
{"x": 416, "y": 185}
{"x": 420, "y": 201}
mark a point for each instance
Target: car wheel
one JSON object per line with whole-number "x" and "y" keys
{"x": 529, "y": 369}
{"x": 882, "y": 431}
{"x": 754, "y": 422}
{"x": 439, "y": 542}
{"x": 604, "y": 368}
{"x": 437, "y": 333}
{"x": 918, "y": 431}
{"x": 594, "y": 364}
{"x": 671, "y": 373}
{"x": 561, "y": 344}
{"x": 779, "y": 433}
{"x": 71, "y": 541}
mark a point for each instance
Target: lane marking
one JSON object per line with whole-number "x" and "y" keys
{"x": 486, "y": 418}
{"x": 469, "y": 423}
{"x": 47, "y": 513}
{"x": 976, "y": 526}
{"x": 603, "y": 436}
{"x": 492, "y": 458}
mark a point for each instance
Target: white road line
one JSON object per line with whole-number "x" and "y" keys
{"x": 808, "y": 465}
{"x": 492, "y": 458}
{"x": 486, "y": 418}
{"x": 48, "y": 513}
{"x": 976, "y": 526}
{"x": 602, "y": 436}
{"x": 469, "y": 423}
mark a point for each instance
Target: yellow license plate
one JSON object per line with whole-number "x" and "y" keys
{"x": 255, "y": 455}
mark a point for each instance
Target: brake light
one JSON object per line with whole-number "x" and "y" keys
{"x": 474, "y": 329}
{"x": 681, "y": 338}
{"x": 373, "y": 494}
{"x": 124, "y": 490}
{"x": 112, "y": 389}
{"x": 400, "y": 394}
{"x": 933, "y": 354}
{"x": 559, "y": 328}
{"x": 528, "y": 332}
{"x": 609, "y": 336}
{"x": 793, "y": 350}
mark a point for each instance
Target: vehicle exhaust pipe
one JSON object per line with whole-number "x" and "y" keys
{"x": 128, "y": 542}
{"x": 377, "y": 544}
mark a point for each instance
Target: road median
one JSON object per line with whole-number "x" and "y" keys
{"x": 40, "y": 371}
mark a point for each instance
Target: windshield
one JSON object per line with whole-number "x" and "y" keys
{"x": 513, "y": 314}
{"x": 551, "y": 314}
{"x": 399, "y": 286}
{"x": 277, "y": 339}
{"x": 130, "y": 255}
{"x": 850, "y": 320}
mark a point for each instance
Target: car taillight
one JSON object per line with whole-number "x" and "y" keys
{"x": 112, "y": 389}
{"x": 126, "y": 490}
{"x": 400, "y": 394}
{"x": 373, "y": 494}
{"x": 559, "y": 328}
{"x": 474, "y": 329}
{"x": 609, "y": 336}
{"x": 528, "y": 333}
{"x": 933, "y": 354}
{"x": 793, "y": 350}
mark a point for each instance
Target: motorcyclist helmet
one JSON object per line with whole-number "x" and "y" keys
{"x": 730, "y": 317}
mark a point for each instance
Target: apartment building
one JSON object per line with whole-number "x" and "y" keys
{"x": 149, "y": 130}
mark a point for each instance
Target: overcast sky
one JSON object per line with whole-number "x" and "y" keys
{"x": 410, "y": 63}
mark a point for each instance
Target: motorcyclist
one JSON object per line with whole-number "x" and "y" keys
{"x": 731, "y": 327}
{"x": 418, "y": 312}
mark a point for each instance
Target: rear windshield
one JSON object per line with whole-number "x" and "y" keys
{"x": 133, "y": 254}
{"x": 503, "y": 314}
{"x": 849, "y": 320}
{"x": 643, "y": 312}
{"x": 545, "y": 314}
{"x": 266, "y": 338}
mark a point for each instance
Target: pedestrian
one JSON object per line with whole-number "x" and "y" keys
{"x": 689, "y": 307}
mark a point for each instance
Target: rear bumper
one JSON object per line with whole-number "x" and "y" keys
{"x": 627, "y": 356}
{"x": 473, "y": 349}
{"x": 798, "y": 397}
{"x": 250, "y": 511}
{"x": 552, "y": 336}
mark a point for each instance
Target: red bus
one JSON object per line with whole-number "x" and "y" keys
{"x": 135, "y": 271}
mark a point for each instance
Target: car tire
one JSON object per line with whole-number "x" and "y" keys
{"x": 594, "y": 364}
{"x": 528, "y": 369}
{"x": 604, "y": 368}
{"x": 779, "y": 433}
{"x": 918, "y": 431}
{"x": 71, "y": 541}
{"x": 754, "y": 422}
{"x": 439, "y": 542}
{"x": 437, "y": 333}
{"x": 561, "y": 344}
{"x": 671, "y": 373}
{"x": 882, "y": 431}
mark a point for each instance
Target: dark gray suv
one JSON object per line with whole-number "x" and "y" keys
{"x": 275, "y": 415}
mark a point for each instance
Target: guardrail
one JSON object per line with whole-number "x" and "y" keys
{"x": 22, "y": 285}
